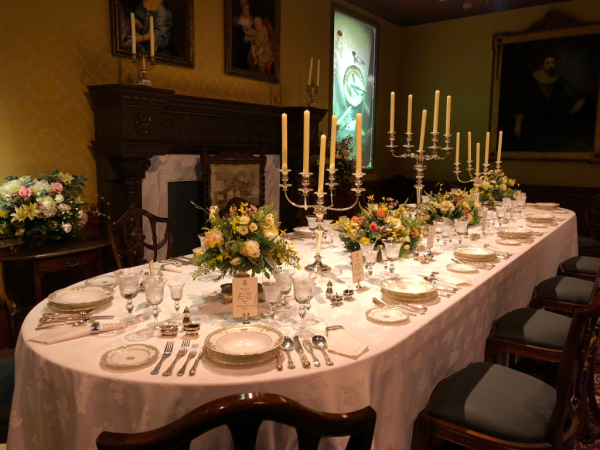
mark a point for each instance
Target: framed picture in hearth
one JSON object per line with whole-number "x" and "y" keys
{"x": 173, "y": 29}
{"x": 252, "y": 30}
{"x": 545, "y": 91}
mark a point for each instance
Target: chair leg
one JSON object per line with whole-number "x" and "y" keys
{"x": 422, "y": 439}
{"x": 591, "y": 390}
{"x": 491, "y": 351}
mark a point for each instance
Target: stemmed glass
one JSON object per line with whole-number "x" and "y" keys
{"x": 521, "y": 199}
{"x": 392, "y": 252}
{"x": 272, "y": 292}
{"x": 155, "y": 291}
{"x": 304, "y": 288}
{"x": 506, "y": 203}
{"x": 370, "y": 259}
{"x": 312, "y": 225}
{"x": 284, "y": 282}
{"x": 461, "y": 229}
{"x": 491, "y": 222}
{"x": 176, "y": 289}
{"x": 500, "y": 212}
{"x": 439, "y": 225}
{"x": 129, "y": 286}
{"x": 447, "y": 231}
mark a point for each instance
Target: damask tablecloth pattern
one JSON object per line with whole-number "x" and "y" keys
{"x": 64, "y": 398}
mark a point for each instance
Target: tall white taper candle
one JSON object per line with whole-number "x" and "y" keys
{"x": 392, "y": 110}
{"x": 318, "y": 71}
{"x": 448, "y": 107}
{"x": 310, "y": 71}
{"x": 477, "y": 160}
{"x": 284, "y": 141}
{"x": 133, "y": 43}
{"x": 499, "y": 147}
{"x": 487, "y": 148}
{"x": 409, "y": 119}
{"x": 333, "y": 142}
{"x": 322, "y": 163}
{"x": 423, "y": 123}
{"x": 358, "y": 139}
{"x": 457, "y": 146}
{"x": 469, "y": 147}
{"x": 306, "y": 141}
{"x": 436, "y": 111}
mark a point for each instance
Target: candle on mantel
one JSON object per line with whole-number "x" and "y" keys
{"x": 477, "y": 160}
{"x": 423, "y": 123}
{"x": 358, "y": 139}
{"x": 436, "y": 111}
{"x": 457, "y": 145}
{"x": 333, "y": 142}
{"x": 318, "y": 71}
{"x": 152, "y": 36}
{"x": 133, "y": 43}
{"x": 469, "y": 147}
{"x": 499, "y": 147}
{"x": 409, "y": 119}
{"x": 306, "y": 141}
{"x": 284, "y": 141}
{"x": 310, "y": 71}
{"x": 448, "y": 104}
{"x": 487, "y": 147}
{"x": 322, "y": 163}
{"x": 392, "y": 110}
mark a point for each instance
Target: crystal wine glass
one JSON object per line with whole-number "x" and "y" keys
{"x": 155, "y": 291}
{"x": 491, "y": 222}
{"x": 312, "y": 224}
{"x": 176, "y": 289}
{"x": 500, "y": 212}
{"x": 392, "y": 252}
{"x": 129, "y": 286}
{"x": 521, "y": 199}
{"x": 447, "y": 231}
{"x": 304, "y": 288}
{"x": 272, "y": 292}
{"x": 370, "y": 259}
{"x": 439, "y": 225}
{"x": 461, "y": 229}
{"x": 284, "y": 281}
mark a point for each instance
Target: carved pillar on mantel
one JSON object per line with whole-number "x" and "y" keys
{"x": 134, "y": 123}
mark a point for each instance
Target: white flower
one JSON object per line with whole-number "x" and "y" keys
{"x": 59, "y": 198}
{"x": 485, "y": 186}
{"x": 83, "y": 218}
{"x": 46, "y": 206}
{"x": 10, "y": 187}
{"x": 253, "y": 227}
{"x": 407, "y": 239}
{"x": 406, "y": 247}
{"x": 244, "y": 220}
{"x": 235, "y": 261}
{"x": 251, "y": 249}
{"x": 39, "y": 186}
{"x": 20, "y": 232}
{"x": 66, "y": 227}
{"x": 272, "y": 235}
{"x": 64, "y": 207}
{"x": 502, "y": 187}
{"x": 243, "y": 230}
{"x": 270, "y": 220}
{"x": 511, "y": 182}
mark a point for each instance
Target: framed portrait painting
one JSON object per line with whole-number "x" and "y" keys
{"x": 545, "y": 91}
{"x": 252, "y": 30}
{"x": 173, "y": 29}
{"x": 353, "y": 80}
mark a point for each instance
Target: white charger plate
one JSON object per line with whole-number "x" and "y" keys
{"x": 387, "y": 315}
{"x": 514, "y": 232}
{"x": 239, "y": 361}
{"x": 245, "y": 340}
{"x": 408, "y": 287}
{"x": 508, "y": 242}
{"x": 130, "y": 356}
{"x": 544, "y": 205}
{"x": 462, "y": 268}
{"x": 537, "y": 225}
{"x": 543, "y": 218}
{"x": 475, "y": 253}
{"x": 81, "y": 296}
{"x": 102, "y": 280}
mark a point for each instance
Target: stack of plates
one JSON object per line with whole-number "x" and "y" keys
{"x": 547, "y": 205}
{"x": 408, "y": 289}
{"x": 303, "y": 232}
{"x": 474, "y": 253}
{"x": 243, "y": 345}
{"x": 540, "y": 218}
{"x": 515, "y": 233}
{"x": 80, "y": 298}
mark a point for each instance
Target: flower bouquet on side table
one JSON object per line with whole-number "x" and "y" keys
{"x": 451, "y": 205}
{"x": 245, "y": 240}
{"x": 345, "y": 165}
{"x": 496, "y": 186}
{"x": 48, "y": 207}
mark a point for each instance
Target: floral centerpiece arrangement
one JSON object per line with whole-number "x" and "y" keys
{"x": 496, "y": 186}
{"x": 245, "y": 240}
{"x": 386, "y": 220}
{"x": 49, "y": 206}
{"x": 451, "y": 205}
{"x": 345, "y": 166}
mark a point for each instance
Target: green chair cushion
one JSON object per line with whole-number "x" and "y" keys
{"x": 534, "y": 327}
{"x": 587, "y": 242}
{"x": 582, "y": 264}
{"x": 7, "y": 386}
{"x": 566, "y": 289}
{"x": 496, "y": 401}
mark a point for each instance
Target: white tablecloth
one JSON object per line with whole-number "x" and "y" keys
{"x": 64, "y": 398}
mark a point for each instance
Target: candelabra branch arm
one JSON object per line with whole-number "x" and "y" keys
{"x": 348, "y": 208}
{"x": 305, "y": 206}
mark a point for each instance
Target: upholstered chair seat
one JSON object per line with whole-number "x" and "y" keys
{"x": 588, "y": 243}
{"x": 531, "y": 326}
{"x": 566, "y": 289}
{"x": 585, "y": 265}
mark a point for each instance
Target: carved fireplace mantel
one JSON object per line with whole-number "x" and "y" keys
{"x": 133, "y": 124}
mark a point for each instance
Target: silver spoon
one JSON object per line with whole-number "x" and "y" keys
{"x": 287, "y": 347}
{"x": 321, "y": 343}
{"x": 383, "y": 305}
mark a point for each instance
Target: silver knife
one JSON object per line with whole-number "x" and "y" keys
{"x": 440, "y": 283}
{"x": 298, "y": 348}
{"x": 182, "y": 261}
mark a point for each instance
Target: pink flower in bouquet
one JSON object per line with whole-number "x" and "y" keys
{"x": 66, "y": 227}
{"x": 458, "y": 198}
{"x": 415, "y": 234}
{"x": 24, "y": 192}
{"x": 465, "y": 212}
{"x": 383, "y": 229}
{"x": 57, "y": 187}
{"x": 373, "y": 227}
{"x": 426, "y": 217}
{"x": 381, "y": 213}
{"x": 389, "y": 199}
{"x": 355, "y": 219}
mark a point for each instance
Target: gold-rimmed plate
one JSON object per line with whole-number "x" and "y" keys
{"x": 389, "y": 316}
{"x": 408, "y": 288}
{"x": 130, "y": 356}
{"x": 475, "y": 253}
{"x": 102, "y": 281}
{"x": 243, "y": 341}
{"x": 514, "y": 233}
{"x": 237, "y": 361}
{"x": 542, "y": 218}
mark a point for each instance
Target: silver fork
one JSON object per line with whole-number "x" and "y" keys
{"x": 165, "y": 355}
{"x": 191, "y": 356}
{"x": 181, "y": 353}
{"x": 193, "y": 369}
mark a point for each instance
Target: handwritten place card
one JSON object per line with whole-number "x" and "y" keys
{"x": 358, "y": 270}
{"x": 484, "y": 220}
{"x": 430, "y": 236}
{"x": 245, "y": 297}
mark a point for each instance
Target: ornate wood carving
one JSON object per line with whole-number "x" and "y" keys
{"x": 142, "y": 124}
{"x": 554, "y": 20}
{"x": 131, "y": 172}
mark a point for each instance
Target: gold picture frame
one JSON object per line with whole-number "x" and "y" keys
{"x": 527, "y": 83}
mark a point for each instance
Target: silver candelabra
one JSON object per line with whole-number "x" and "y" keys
{"x": 420, "y": 158}
{"x": 319, "y": 209}
{"x": 478, "y": 178}
{"x": 142, "y": 61}
{"x": 312, "y": 90}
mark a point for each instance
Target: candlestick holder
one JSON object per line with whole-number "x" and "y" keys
{"x": 142, "y": 63}
{"x": 319, "y": 209}
{"x": 420, "y": 157}
{"x": 312, "y": 90}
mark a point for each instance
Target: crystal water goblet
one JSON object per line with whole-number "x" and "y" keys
{"x": 506, "y": 203}
{"x": 272, "y": 291}
{"x": 447, "y": 231}
{"x": 129, "y": 286}
{"x": 500, "y": 213}
{"x": 491, "y": 222}
{"x": 370, "y": 260}
{"x": 155, "y": 291}
{"x": 392, "y": 252}
{"x": 312, "y": 224}
{"x": 521, "y": 199}
{"x": 461, "y": 229}
{"x": 176, "y": 290}
{"x": 439, "y": 225}
{"x": 304, "y": 288}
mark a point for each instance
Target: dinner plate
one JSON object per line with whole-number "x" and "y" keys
{"x": 537, "y": 225}
{"x": 514, "y": 232}
{"x": 245, "y": 340}
{"x": 387, "y": 315}
{"x": 238, "y": 361}
{"x": 462, "y": 268}
{"x": 408, "y": 288}
{"x": 81, "y": 296}
{"x": 102, "y": 280}
{"x": 542, "y": 218}
{"x": 475, "y": 253}
{"x": 560, "y": 211}
{"x": 130, "y": 356}
{"x": 303, "y": 231}
{"x": 543, "y": 205}
{"x": 71, "y": 309}
{"x": 508, "y": 242}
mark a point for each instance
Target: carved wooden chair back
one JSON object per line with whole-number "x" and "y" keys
{"x": 234, "y": 202}
{"x": 212, "y": 164}
{"x": 243, "y": 415}
{"x": 129, "y": 241}
{"x": 580, "y": 347}
{"x": 592, "y": 217}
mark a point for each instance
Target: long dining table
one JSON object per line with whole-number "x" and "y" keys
{"x": 64, "y": 397}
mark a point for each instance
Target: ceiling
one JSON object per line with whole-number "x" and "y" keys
{"x": 405, "y": 13}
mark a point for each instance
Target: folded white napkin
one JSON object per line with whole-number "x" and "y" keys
{"x": 343, "y": 343}
{"x": 454, "y": 281}
{"x": 171, "y": 268}
{"x": 66, "y": 334}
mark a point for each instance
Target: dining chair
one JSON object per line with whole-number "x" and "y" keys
{"x": 243, "y": 415}
{"x": 590, "y": 245}
{"x": 492, "y": 407}
{"x": 7, "y": 387}
{"x": 564, "y": 294}
{"x": 584, "y": 267}
{"x": 129, "y": 241}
